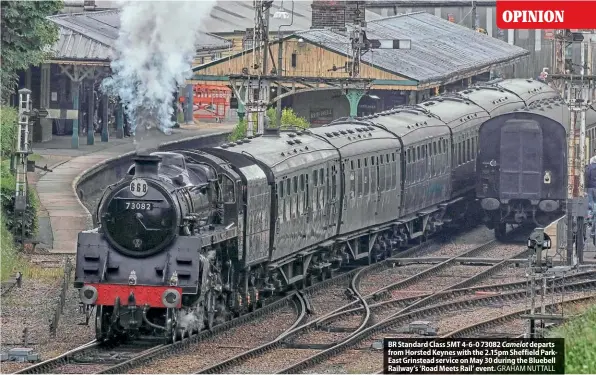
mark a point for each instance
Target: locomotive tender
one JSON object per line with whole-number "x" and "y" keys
{"x": 522, "y": 164}
{"x": 192, "y": 238}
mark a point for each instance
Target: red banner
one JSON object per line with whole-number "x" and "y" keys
{"x": 515, "y": 14}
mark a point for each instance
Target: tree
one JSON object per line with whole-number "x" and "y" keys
{"x": 289, "y": 119}
{"x": 26, "y": 34}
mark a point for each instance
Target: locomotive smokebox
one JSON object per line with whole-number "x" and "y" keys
{"x": 146, "y": 165}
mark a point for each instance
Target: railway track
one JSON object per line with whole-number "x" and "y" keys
{"x": 94, "y": 358}
{"x": 90, "y": 358}
{"x": 132, "y": 359}
{"x": 344, "y": 323}
{"x": 355, "y": 351}
{"x": 507, "y": 325}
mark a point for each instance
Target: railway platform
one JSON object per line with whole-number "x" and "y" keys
{"x": 61, "y": 216}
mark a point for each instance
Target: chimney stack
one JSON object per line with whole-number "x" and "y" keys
{"x": 335, "y": 15}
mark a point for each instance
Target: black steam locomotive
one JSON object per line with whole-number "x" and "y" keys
{"x": 192, "y": 238}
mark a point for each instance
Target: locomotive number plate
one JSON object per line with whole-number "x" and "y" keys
{"x": 143, "y": 206}
{"x": 138, "y": 187}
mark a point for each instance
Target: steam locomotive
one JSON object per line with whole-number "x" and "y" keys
{"x": 190, "y": 239}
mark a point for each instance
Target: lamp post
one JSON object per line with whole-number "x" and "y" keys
{"x": 281, "y": 14}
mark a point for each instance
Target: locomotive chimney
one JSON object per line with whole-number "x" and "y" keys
{"x": 146, "y": 165}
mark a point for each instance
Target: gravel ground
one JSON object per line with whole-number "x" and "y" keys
{"x": 31, "y": 306}
{"x": 390, "y": 275}
{"x": 272, "y": 361}
{"x": 454, "y": 246}
{"x": 510, "y": 274}
{"x": 502, "y": 251}
{"x": 223, "y": 346}
{"x": 327, "y": 300}
{"x": 445, "y": 278}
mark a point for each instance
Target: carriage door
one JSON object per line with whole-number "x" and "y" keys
{"x": 521, "y": 160}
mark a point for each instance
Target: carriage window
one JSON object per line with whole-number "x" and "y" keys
{"x": 360, "y": 183}
{"x": 295, "y": 184}
{"x": 445, "y": 148}
{"x": 381, "y": 178}
{"x": 321, "y": 177}
{"x": 366, "y": 181}
{"x": 352, "y": 184}
{"x": 474, "y": 148}
{"x": 228, "y": 190}
{"x": 315, "y": 178}
{"x": 352, "y": 164}
{"x": 407, "y": 155}
{"x": 374, "y": 180}
{"x": 435, "y": 148}
{"x": 468, "y": 150}
{"x": 358, "y": 163}
{"x": 365, "y": 162}
{"x": 288, "y": 187}
{"x": 393, "y": 156}
{"x": 281, "y": 189}
{"x": 393, "y": 176}
{"x": 372, "y": 160}
{"x": 333, "y": 186}
{"x": 286, "y": 210}
{"x": 387, "y": 158}
{"x": 418, "y": 153}
{"x": 440, "y": 148}
{"x": 301, "y": 182}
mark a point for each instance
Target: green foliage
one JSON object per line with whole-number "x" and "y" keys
{"x": 26, "y": 33}
{"x": 580, "y": 343}
{"x": 9, "y": 257}
{"x": 289, "y": 119}
{"x": 8, "y": 130}
{"x": 14, "y": 223}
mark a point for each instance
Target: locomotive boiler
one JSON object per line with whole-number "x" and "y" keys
{"x": 192, "y": 238}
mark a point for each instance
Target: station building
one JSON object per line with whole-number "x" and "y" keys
{"x": 443, "y": 57}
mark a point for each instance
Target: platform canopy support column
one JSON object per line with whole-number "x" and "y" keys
{"x": 90, "y": 113}
{"x": 189, "y": 103}
{"x": 119, "y": 120}
{"x": 354, "y": 96}
{"x": 105, "y": 118}
{"x": 76, "y": 74}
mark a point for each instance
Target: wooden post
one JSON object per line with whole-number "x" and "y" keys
{"x": 105, "y": 117}
{"x": 75, "y": 88}
{"x": 119, "y": 120}
{"x": 90, "y": 114}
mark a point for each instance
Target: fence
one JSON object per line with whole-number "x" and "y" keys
{"x": 55, "y": 320}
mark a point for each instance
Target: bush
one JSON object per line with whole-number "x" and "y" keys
{"x": 580, "y": 345}
{"x": 8, "y": 254}
{"x": 8, "y": 130}
{"x": 289, "y": 119}
{"x": 7, "y": 197}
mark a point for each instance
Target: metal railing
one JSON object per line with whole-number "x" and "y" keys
{"x": 59, "y": 310}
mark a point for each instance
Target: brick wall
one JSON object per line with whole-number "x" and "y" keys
{"x": 336, "y": 14}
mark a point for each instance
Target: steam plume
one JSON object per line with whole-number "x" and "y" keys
{"x": 154, "y": 52}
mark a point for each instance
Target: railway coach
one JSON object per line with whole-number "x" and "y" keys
{"x": 189, "y": 239}
{"x": 522, "y": 173}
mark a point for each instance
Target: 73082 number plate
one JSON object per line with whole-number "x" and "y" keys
{"x": 138, "y": 206}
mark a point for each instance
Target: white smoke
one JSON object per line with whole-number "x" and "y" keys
{"x": 154, "y": 53}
